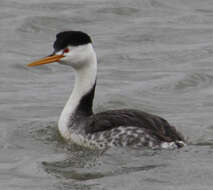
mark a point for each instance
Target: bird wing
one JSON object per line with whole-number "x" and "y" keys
{"x": 153, "y": 124}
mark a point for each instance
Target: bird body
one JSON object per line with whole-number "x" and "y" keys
{"x": 113, "y": 128}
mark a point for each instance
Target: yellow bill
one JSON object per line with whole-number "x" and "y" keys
{"x": 46, "y": 60}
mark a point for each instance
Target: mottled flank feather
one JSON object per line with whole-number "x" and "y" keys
{"x": 124, "y": 136}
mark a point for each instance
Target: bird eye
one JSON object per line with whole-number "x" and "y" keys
{"x": 66, "y": 50}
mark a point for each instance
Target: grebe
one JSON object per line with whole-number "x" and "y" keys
{"x": 113, "y": 128}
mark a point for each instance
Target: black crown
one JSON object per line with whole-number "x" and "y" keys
{"x": 72, "y": 38}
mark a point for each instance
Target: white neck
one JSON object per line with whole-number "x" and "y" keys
{"x": 84, "y": 82}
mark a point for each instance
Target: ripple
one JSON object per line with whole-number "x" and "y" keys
{"x": 38, "y": 137}
{"x": 196, "y": 80}
{"x": 65, "y": 169}
{"x": 122, "y": 11}
{"x": 205, "y": 143}
{"x": 183, "y": 82}
{"x": 56, "y": 6}
{"x": 46, "y": 133}
{"x": 192, "y": 19}
{"x": 85, "y": 164}
{"x": 42, "y": 24}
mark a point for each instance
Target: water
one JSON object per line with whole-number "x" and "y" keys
{"x": 154, "y": 55}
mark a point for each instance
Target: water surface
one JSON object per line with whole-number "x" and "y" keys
{"x": 154, "y": 55}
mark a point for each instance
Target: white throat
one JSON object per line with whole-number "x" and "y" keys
{"x": 84, "y": 81}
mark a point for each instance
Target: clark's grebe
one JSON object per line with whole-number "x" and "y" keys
{"x": 78, "y": 123}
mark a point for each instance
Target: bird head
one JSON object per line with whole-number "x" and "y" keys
{"x": 72, "y": 48}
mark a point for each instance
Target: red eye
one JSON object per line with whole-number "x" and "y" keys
{"x": 66, "y": 50}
